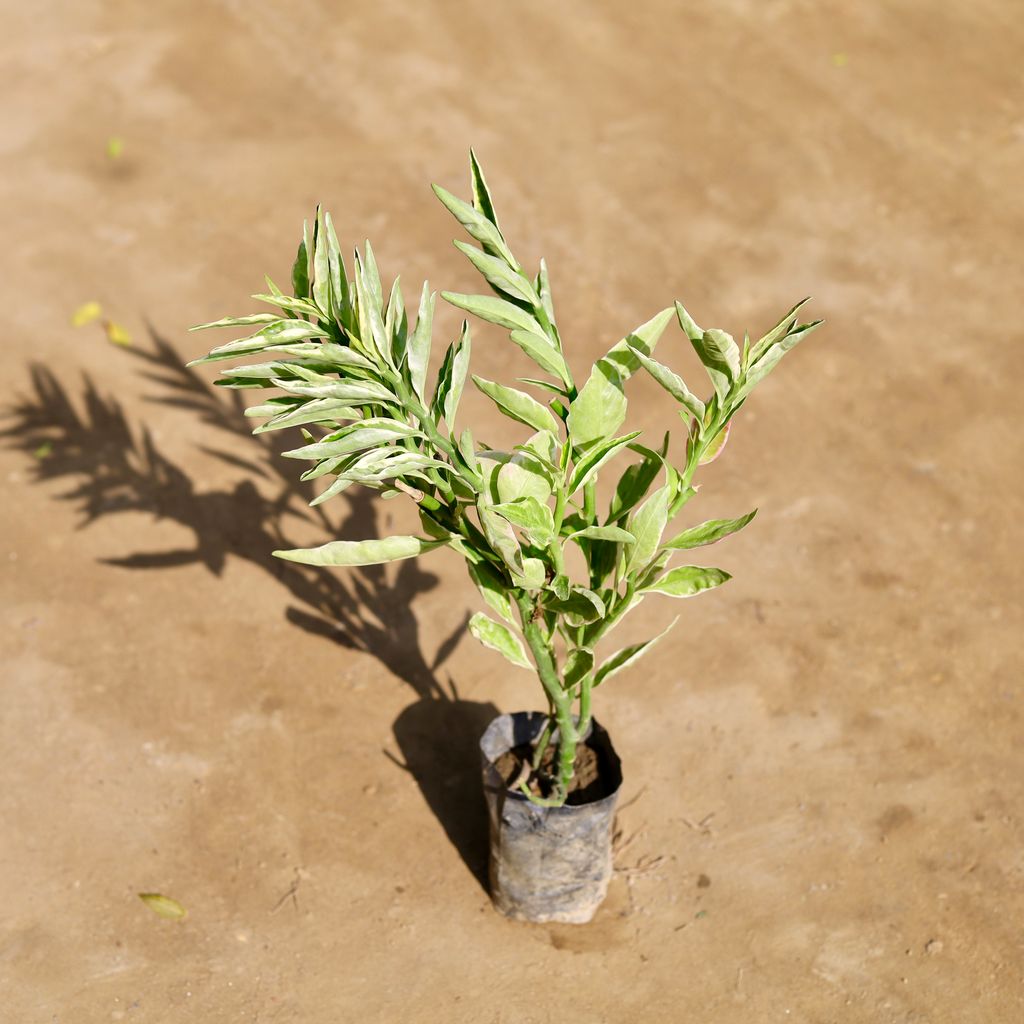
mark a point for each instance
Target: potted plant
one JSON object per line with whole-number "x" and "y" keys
{"x": 353, "y": 372}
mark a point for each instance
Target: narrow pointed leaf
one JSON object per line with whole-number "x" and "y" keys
{"x": 540, "y": 349}
{"x": 481, "y": 194}
{"x": 690, "y": 328}
{"x": 477, "y": 225}
{"x": 688, "y": 581}
{"x": 647, "y": 525}
{"x": 518, "y": 405}
{"x": 419, "y": 344}
{"x": 460, "y": 369}
{"x": 494, "y": 310}
{"x": 499, "y": 275}
{"x": 611, "y": 533}
{"x": 674, "y": 385}
{"x": 600, "y": 407}
{"x": 236, "y": 321}
{"x": 709, "y": 533}
{"x": 779, "y": 331}
{"x": 361, "y": 552}
{"x": 760, "y": 369}
{"x": 628, "y": 656}
{"x": 596, "y": 457}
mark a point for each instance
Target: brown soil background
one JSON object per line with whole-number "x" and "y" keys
{"x": 826, "y": 757}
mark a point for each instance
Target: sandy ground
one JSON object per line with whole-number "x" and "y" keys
{"x": 826, "y": 763}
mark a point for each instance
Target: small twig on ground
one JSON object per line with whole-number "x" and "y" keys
{"x": 291, "y": 893}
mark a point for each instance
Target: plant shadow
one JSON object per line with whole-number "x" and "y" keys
{"x": 114, "y": 466}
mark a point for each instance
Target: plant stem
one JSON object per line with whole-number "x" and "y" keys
{"x": 590, "y": 500}
{"x": 561, "y": 701}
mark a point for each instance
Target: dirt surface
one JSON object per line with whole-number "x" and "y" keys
{"x": 585, "y": 787}
{"x": 825, "y": 762}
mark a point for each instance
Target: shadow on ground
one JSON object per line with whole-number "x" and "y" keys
{"x": 113, "y": 467}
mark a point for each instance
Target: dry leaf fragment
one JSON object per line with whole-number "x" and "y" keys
{"x": 164, "y": 906}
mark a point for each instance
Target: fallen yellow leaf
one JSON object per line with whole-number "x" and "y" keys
{"x": 117, "y": 334}
{"x": 86, "y": 313}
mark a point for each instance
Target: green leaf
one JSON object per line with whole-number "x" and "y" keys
{"x": 674, "y": 385}
{"x": 468, "y": 451}
{"x": 600, "y": 407}
{"x": 353, "y": 392}
{"x": 303, "y": 307}
{"x": 368, "y": 433}
{"x": 623, "y": 355}
{"x": 759, "y": 370}
{"x": 779, "y": 331}
{"x": 692, "y": 331}
{"x": 687, "y": 581}
{"x": 721, "y": 358}
{"x": 499, "y": 275}
{"x": 709, "y": 533}
{"x": 371, "y": 324}
{"x": 493, "y": 589}
{"x": 581, "y": 606}
{"x": 578, "y": 664}
{"x": 321, "y": 410}
{"x": 477, "y": 225}
{"x": 499, "y": 638}
{"x": 635, "y": 482}
{"x": 321, "y": 265}
{"x": 611, "y": 533}
{"x": 540, "y": 349}
{"x": 481, "y": 194}
{"x": 456, "y": 367}
{"x": 163, "y": 906}
{"x": 339, "y": 279}
{"x": 501, "y": 537}
{"x": 361, "y": 552}
{"x": 339, "y": 485}
{"x": 716, "y": 446}
{"x": 522, "y": 476}
{"x": 596, "y": 457}
{"x": 533, "y": 575}
{"x": 229, "y": 321}
{"x": 519, "y": 405}
{"x": 543, "y": 287}
{"x": 419, "y": 344}
{"x": 396, "y": 323}
{"x": 494, "y": 310}
{"x": 647, "y": 525}
{"x": 280, "y": 332}
{"x": 628, "y": 656}
{"x": 372, "y": 276}
{"x": 544, "y": 385}
{"x": 532, "y": 517}
{"x": 300, "y": 269}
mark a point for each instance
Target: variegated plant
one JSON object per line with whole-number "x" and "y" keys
{"x": 354, "y": 375}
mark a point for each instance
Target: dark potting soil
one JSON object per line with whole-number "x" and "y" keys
{"x": 588, "y": 784}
